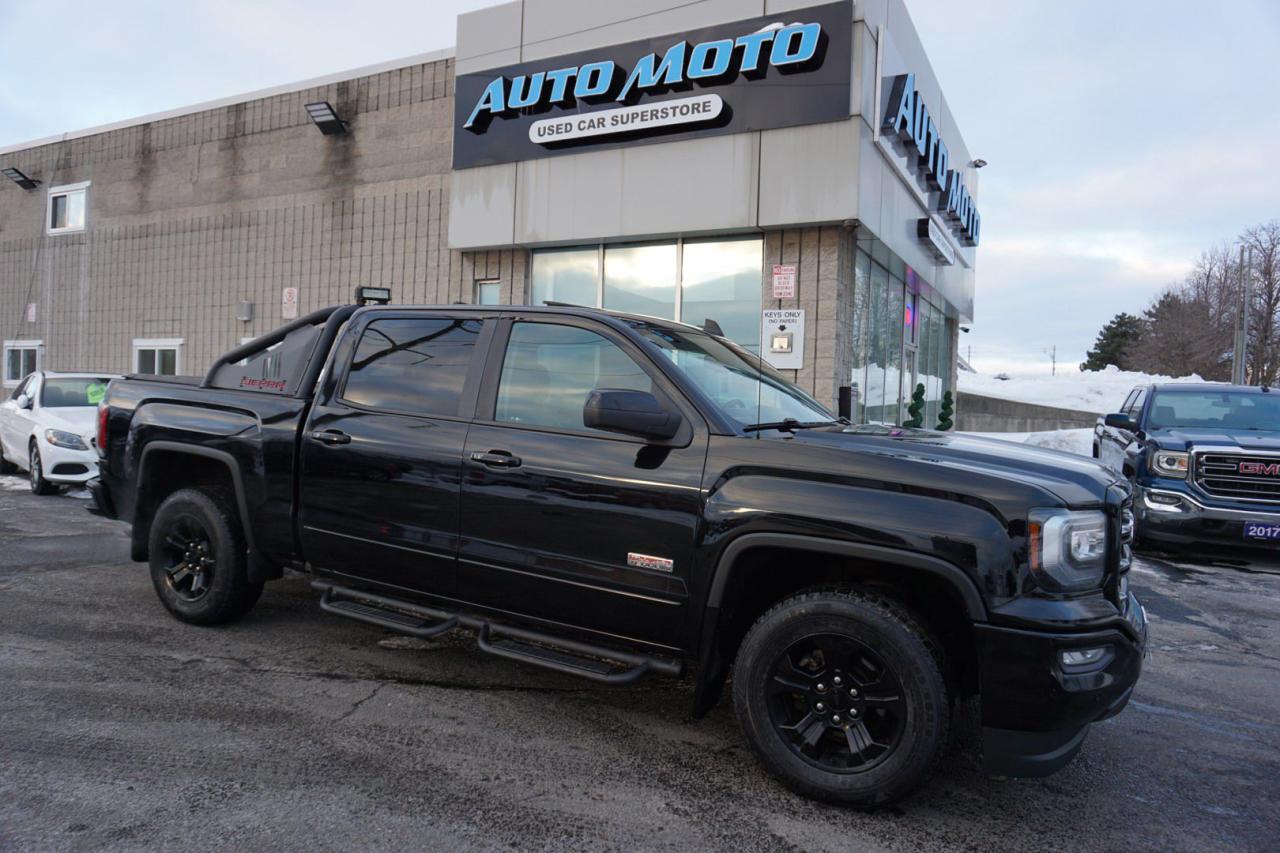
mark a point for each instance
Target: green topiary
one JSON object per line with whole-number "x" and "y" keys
{"x": 944, "y": 414}
{"x": 916, "y": 409}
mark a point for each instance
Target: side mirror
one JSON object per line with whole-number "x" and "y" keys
{"x": 1120, "y": 420}
{"x": 24, "y": 402}
{"x": 635, "y": 413}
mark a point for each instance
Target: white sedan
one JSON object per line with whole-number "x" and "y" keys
{"x": 48, "y": 425}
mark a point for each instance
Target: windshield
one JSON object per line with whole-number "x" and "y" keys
{"x": 61, "y": 393}
{"x": 745, "y": 389}
{"x": 1225, "y": 410}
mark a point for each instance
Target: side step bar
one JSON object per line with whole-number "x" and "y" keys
{"x": 518, "y": 644}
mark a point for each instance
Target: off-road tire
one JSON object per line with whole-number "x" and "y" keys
{"x": 869, "y": 623}
{"x": 194, "y": 517}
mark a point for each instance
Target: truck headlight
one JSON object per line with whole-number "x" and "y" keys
{"x": 1171, "y": 463}
{"x": 69, "y": 440}
{"x": 1068, "y": 547}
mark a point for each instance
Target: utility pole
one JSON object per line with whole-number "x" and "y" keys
{"x": 1240, "y": 346}
{"x": 1053, "y": 355}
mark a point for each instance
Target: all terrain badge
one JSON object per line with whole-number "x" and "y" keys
{"x": 644, "y": 561}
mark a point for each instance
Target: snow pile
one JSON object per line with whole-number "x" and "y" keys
{"x": 1097, "y": 392}
{"x": 1071, "y": 440}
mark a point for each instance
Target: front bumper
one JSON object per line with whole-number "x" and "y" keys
{"x": 1200, "y": 525}
{"x": 67, "y": 467}
{"x": 1036, "y": 711}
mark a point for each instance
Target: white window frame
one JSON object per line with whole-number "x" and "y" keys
{"x": 481, "y": 282}
{"x": 66, "y": 189}
{"x": 37, "y": 345}
{"x": 174, "y": 344}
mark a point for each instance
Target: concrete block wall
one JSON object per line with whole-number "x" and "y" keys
{"x": 824, "y": 258}
{"x": 191, "y": 214}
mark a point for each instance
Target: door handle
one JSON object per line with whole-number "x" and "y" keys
{"x": 495, "y": 459}
{"x": 330, "y": 436}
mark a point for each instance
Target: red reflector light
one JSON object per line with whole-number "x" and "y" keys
{"x": 103, "y": 412}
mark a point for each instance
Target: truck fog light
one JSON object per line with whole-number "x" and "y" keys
{"x": 1076, "y": 658}
{"x": 1163, "y": 502}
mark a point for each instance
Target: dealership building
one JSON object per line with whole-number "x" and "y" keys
{"x": 788, "y": 173}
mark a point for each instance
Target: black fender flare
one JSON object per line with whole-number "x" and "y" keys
{"x": 711, "y": 669}
{"x": 259, "y": 569}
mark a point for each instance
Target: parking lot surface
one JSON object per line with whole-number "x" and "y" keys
{"x": 123, "y": 728}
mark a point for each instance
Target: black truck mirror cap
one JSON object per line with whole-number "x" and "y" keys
{"x": 1119, "y": 420}
{"x": 635, "y": 413}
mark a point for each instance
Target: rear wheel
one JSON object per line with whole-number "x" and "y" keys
{"x": 842, "y": 696}
{"x": 199, "y": 560}
{"x": 35, "y": 472}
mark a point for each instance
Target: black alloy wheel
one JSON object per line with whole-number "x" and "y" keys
{"x": 841, "y": 693}
{"x": 836, "y": 703}
{"x": 199, "y": 559}
{"x": 189, "y": 558}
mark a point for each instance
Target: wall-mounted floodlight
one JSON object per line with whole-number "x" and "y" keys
{"x": 326, "y": 118}
{"x": 979, "y": 163}
{"x": 20, "y": 179}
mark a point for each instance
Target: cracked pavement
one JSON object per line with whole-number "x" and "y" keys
{"x": 121, "y": 728}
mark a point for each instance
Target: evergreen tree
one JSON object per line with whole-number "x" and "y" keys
{"x": 1115, "y": 343}
{"x": 948, "y": 409}
{"x": 916, "y": 409}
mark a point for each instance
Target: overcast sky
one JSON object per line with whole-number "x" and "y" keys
{"x": 1123, "y": 137}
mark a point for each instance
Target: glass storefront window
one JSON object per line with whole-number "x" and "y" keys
{"x": 878, "y": 350}
{"x": 641, "y": 279}
{"x": 721, "y": 280}
{"x": 566, "y": 275}
{"x": 861, "y": 302}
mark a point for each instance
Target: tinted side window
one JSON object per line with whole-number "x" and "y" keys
{"x": 549, "y": 370}
{"x": 417, "y": 366}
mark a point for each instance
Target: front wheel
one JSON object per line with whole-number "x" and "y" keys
{"x": 842, "y": 696}
{"x": 199, "y": 563}
{"x": 35, "y": 470}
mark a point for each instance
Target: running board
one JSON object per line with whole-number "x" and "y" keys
{"x": 519, "y": 644}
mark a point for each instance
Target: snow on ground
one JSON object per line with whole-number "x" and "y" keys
{"x": 1071, "y": 440}
{"x": 1095, "y": 391}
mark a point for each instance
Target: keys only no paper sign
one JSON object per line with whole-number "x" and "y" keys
{"x": 782, "y": 341}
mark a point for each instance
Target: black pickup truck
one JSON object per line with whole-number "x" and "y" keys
{"x": 613, "y": 495}
{"x": 1204, "y": 461}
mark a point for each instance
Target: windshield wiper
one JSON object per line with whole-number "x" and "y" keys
{"x": 787, "y": 425}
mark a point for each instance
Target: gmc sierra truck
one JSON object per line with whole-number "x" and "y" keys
{"x": 612, "y": 495}
{"x": 1204, "y": 461}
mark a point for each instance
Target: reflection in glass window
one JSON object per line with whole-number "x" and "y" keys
{"x": 488, "y": 293}
{"x": 744, "y": 386}
{"x": 721, "y": 281}
{"x": 549, "y": 370}
{"x": 861, "y": 309}
{"x": 641, "y": 279}
{"x": 417, "y": 366}
{"x": 566, "y": 275}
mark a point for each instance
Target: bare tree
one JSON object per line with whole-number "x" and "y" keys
{"x": 1264, "y": 310}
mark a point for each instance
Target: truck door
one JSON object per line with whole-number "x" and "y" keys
{"x": 381, "y": 459}
{"x": 572, "y": 525}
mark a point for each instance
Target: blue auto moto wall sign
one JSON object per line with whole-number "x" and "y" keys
{"x": 773, "y": 71}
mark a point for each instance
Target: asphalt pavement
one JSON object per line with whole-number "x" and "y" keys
{"x": 121, "y": 728}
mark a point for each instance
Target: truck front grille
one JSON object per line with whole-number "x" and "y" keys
{"x": 1239, "y": 476}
